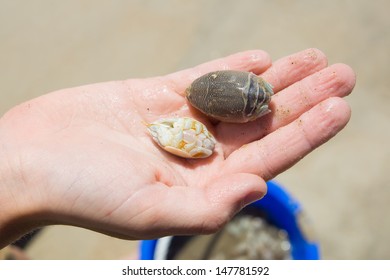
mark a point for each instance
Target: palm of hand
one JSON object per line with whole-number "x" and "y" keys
{"x": 90, "y": 149}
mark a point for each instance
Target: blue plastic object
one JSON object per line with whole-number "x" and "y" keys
{"x": 283, "y": 211}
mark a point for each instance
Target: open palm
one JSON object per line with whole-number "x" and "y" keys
{"x": 85, "y": 158}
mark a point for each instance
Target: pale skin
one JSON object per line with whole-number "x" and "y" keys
{"x": 83, "y": 156}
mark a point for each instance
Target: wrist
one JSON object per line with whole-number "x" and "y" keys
{"x": 19, "y": 212}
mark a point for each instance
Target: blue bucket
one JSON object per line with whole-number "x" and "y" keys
{"x": 281, "y": 210}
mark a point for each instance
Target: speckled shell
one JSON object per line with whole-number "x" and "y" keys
{"x": 230, "y": 96}
{"x": 183, "y": 137}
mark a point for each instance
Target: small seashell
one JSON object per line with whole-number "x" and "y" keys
{"x": 231, "y": 96}
{"x": 183, "y": 137}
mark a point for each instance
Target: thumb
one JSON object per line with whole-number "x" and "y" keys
{"x": 230, "y": 193}
{"x": 184, "y": 210}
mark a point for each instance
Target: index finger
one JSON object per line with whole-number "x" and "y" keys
{"x": 284, "y": 147}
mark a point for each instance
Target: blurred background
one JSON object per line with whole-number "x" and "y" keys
{"x": 344, "y": 186}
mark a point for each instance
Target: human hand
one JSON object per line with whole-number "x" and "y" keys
{"x": 83, "y": 156}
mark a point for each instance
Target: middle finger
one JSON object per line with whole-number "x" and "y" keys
{"x": 289, "y": 104}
